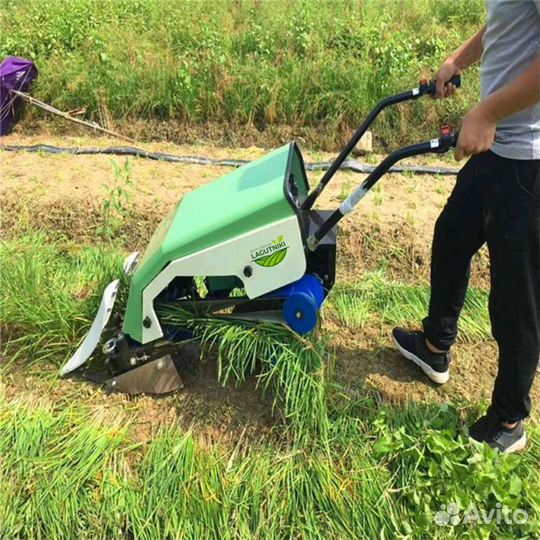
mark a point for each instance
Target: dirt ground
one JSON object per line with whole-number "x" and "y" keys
{"x": 214, "y": 412}
{"x": 392, "y": 227}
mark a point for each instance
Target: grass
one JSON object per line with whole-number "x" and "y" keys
{"x": 345, "y": 190}
{"x": 69, "y": 472}
{"x": 51, "y": 290}
{"x": 290, "y": 366}
{"x": 396, "y": 303}
{"x": 346, "y": 467}
{"x": 305, "y": 64}
{"x": 351, "y": 310}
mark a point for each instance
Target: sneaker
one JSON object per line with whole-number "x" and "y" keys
{"x": 412, "y": 345}
{"x": 489, "y": 429}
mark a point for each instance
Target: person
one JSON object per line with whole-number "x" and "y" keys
{"x": 496, "y": 201}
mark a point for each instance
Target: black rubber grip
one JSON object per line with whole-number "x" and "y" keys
{"x": 432, "y": 85}
{"x": 454, "y": 139}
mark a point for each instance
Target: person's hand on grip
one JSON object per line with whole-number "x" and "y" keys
{"x": 477, "y": 133}
{"x": 447, "y": 70}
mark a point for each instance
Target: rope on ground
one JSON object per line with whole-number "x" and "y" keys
{"x": 348, "y": 165}
{"x": 67, "y": 116}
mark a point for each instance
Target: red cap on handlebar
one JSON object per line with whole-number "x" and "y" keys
{"x": 448, "y": 138}
{"x": 446, "y": 130}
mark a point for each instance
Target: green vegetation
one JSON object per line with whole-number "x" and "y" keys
{"x": 309, "y": 64}
{"x": 336, "y": 467}
{"x": 397, "y": 303}
{"x": 50, "y": 293}
{"x": 67, "y": 472}
{"x": 287, "y": 364}
{"x": 115, "y": 206}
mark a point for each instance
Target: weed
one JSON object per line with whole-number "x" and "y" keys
{"x": 413, "y": 185}
{"x": 346, "y": 188}
{"x": 50, "y": 293}
{"x": 67, "y": 472}
{"x": 351, "y": 310}
{"x": 115, "y": 206}
{"x": 373, "y": 159}
{"x": 291, "y": 366}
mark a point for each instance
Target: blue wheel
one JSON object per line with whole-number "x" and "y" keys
{"x": 310, "y": 284}
{"x": 300, "y": 312}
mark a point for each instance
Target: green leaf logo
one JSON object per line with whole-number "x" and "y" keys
{"x": 273, "y": 259}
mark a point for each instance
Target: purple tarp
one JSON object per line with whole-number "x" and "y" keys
{"x": 15, "y": 74}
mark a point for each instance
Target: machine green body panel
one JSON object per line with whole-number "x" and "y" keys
{"x": 250, "y": 197}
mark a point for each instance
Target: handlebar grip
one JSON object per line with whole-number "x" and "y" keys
{"x": 455, "y": 80}
{"x": 430, "y": 87}
{"x": 453, "y": 139}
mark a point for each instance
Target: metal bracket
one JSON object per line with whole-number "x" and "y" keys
{"x": 157, "y": 377}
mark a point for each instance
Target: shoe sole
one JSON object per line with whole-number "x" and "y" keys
{"x": 518, "y": 446}
{"x": 436, "y": 376}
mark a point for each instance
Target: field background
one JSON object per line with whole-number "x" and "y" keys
{"x": 367, "y": 447}
{"x": 341, "y": 437}
{"x": 250, "y": 71}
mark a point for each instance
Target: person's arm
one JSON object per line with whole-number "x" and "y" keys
{"x": 466, "y": 55}
{"x": 478, "y": 127}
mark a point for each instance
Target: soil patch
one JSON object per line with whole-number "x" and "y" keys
{"x": 366, "y": 360}
{"x": 212, "y": 411}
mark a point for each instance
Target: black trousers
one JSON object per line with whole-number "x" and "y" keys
{"x": 495, "y": 200}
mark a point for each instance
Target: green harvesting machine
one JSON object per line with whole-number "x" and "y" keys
{"x": 248, "y": 246}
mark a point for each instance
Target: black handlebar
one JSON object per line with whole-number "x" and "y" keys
{"x": 446, "y": 141}
{"x": 425, "y": 88}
